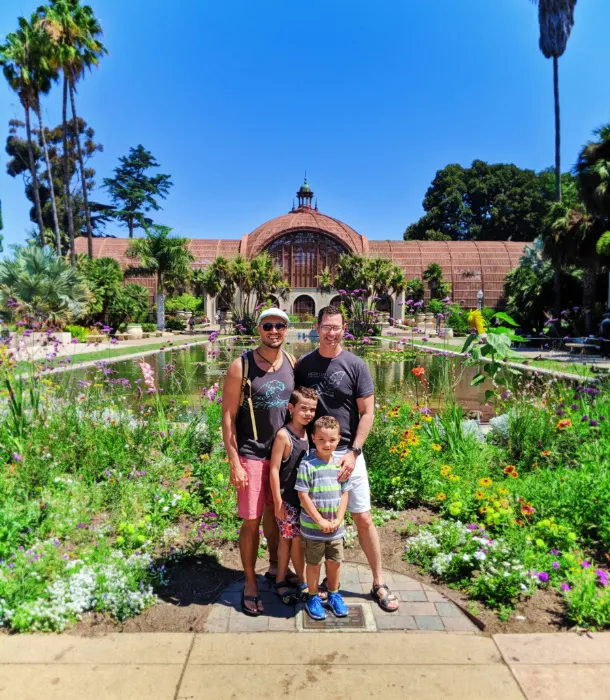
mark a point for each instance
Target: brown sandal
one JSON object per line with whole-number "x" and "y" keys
{"x": 389, "y": 597}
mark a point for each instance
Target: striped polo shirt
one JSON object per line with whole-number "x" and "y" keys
{"x": 319, "y": 479}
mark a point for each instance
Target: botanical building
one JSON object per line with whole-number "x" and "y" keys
{"x": 305, "y": 241}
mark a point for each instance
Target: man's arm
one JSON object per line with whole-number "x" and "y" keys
{"x": 230, "y": 406}
{"x": 366, "y": 409}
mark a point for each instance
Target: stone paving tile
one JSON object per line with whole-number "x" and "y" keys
{"x": 417, "y": 609}
{"x": 558, "y": 648}
{"x": 408, "y": 585}
{"x": 278, "y": 624}
{"x": 435, "y": 596}
{"x": 458, "y": 624}
{"x": 429, "y": 623}
{"x": 395, "y": 621}
{"x": 412, "y": 596}
{"x": 244, "y": 623}
{"x": 563, "y": 682}
{"x": 447, "y": 610}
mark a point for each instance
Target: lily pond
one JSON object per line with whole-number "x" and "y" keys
{"x": 183, "y": 375}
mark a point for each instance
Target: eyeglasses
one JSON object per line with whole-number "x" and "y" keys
{"x": 328, "y": 329}
{"x": 270, "y": 326}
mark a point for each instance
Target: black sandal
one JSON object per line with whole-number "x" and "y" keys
{"x": 289, "y": 597}
{"x": 249, "y": 611}
{"x": 323, "y": 589}
{"x": 384, "y": 600}
{"x": 291, "y": 578}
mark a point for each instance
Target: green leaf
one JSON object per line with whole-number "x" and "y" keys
{"x": 478, "y": 379}
{"x": 469, "y": 341}
{"x": 506, "y": 318}
{"x": 488, "y": 394}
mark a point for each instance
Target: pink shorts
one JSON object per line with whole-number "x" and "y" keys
{"x": 252, "y": 501}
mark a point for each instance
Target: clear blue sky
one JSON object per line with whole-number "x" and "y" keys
{"x": 236, "y": 98}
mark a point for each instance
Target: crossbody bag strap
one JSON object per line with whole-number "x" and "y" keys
{"x": 246, "y": 382}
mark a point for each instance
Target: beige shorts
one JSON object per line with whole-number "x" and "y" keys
{"x": 316, "y": 551}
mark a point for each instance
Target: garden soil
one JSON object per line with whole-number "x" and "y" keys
{"x": 196, "y": 582}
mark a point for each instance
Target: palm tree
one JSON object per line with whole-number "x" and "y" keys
{"x": 20, "y": 61}
{"x": 166, "y": 256}
{"x": 556, "y": 19}
{"x": 104, "y": 278}
{"x": 47, "y": 290}
{"x": 75, "y": 33}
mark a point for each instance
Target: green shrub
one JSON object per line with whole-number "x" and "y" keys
{"x": 174, "y": 324}
{"x": 79, "y": 332}
{"x": 149, "y": 327}
{"x": 184, "y": 302}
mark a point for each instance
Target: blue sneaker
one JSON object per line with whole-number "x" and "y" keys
{"x": 314, "y": 608}
{"x": 337, "y": 605}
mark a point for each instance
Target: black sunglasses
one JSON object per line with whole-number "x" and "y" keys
{"x": 270, "y": 326}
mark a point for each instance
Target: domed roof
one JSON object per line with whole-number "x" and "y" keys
{"x": 304, "y": 219}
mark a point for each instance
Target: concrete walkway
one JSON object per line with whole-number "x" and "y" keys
{"x": 425, "y": 666}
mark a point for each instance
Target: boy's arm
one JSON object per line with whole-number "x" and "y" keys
{"x": 342, "y": 508}
{"x": 313, "y": 512}
{"x": 277, "y": 454}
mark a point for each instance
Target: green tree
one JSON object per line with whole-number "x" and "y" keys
{"x": 23, "y": 63}
{"x": 16, "y": 148}
{"x": 245, "y": 286}
{"x": 104, "y": 278}
{"x": 165, "y": 256}
{"x": 75, "y": 34}
{"x": 48, "y": 291}
{"x": 433, "y": 275}
{"x": 556, "y": 19}
{"x": 497, "y": 202}
{"x": 133, "y": 191}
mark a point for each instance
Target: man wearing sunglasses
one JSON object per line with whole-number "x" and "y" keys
{"x": 346, "y": 392}
{"x": 254, "y": 407}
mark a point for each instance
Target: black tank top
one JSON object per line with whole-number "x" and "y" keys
{"x": 270, "y": 394}
{"x": 290, "y": 467}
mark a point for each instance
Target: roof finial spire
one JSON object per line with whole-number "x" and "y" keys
{"x": 305, "y": 195}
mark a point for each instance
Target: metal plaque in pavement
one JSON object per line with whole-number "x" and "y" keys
{"x": 354, "y": 620}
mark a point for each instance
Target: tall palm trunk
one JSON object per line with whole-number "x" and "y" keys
{"x": 67, "y": 174}
{"x": 81, "y": 166}
{"x": 589, "y": 284}
{"x": 160, "y": 303}
{"x": 557, "y": 265}
{"x": 28, "y": 128}
{"x": 50, "y": 176}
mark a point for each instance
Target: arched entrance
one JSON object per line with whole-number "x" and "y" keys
{"x": 336, "y": 301}
{"x": 384, "y": 305}
{"x": 304, "y": 307}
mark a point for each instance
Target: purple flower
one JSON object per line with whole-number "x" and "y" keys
{"x": 575, "y": 407}
{"x": 593, "y": 423}
{"x": 584, "y": 419}
{"x": 543, "y": 577}
{"x": 602, "y": 576}
{"x": 505, "y": 395}
{"x": 565, "y": 587}
{"x": 17, "y": 457}
{"x": 556, "y": 565}
{"x": 559, "y": 412}
{"x": 556, "y": 552}
{"x": 585, "y": 564}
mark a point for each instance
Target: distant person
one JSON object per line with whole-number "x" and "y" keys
{"x": 191, "y": 323}
{"x": 604, "y": 332}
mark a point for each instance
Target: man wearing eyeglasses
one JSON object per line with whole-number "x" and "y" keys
{"x": 346, "y": 392}
{"x": 254, "y": 406}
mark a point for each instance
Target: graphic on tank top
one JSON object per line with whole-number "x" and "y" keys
{"x": 269, "y": 395}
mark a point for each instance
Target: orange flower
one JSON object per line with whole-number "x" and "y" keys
{"x": 418, "y": 372}
{"x": 563, "y": 424}
{"x": 509, "y": 469}
{"x": 545, "y": 453}
{"x": 515, "y": 475}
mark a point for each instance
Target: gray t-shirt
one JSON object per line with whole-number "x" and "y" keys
{"x": 339, "y": 381}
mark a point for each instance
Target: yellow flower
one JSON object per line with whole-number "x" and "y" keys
{"x": 476, "y": 320}
{"x": 454, "y": 477}
{"x": 441, "y": 496}
{"x": 445, "y": 469}
{"x": 485, "y": 482}
{"x": 484, "y": 510}
{"x": 502, "y": 491}
{"x": 479, "y": 495}
{"x": 427, "y": 419}
{"x": 417, "y": 426}
{"x": 404, "y": 454}
{"x": 393, "y": 450}
{"x": 436, "y": 448}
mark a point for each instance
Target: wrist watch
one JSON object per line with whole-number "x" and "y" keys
{"x": 356, "y": 450}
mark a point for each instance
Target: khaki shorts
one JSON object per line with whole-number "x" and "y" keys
{"x": 316, "y": 551}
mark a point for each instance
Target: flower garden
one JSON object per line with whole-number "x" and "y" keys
{"x": 108, "y": 483}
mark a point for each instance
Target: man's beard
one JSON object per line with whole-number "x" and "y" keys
{"x": 272, "y": 343}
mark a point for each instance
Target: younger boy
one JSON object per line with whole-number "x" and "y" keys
{"x": 291, "y": 444}
{"x": 324, "y": 502}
